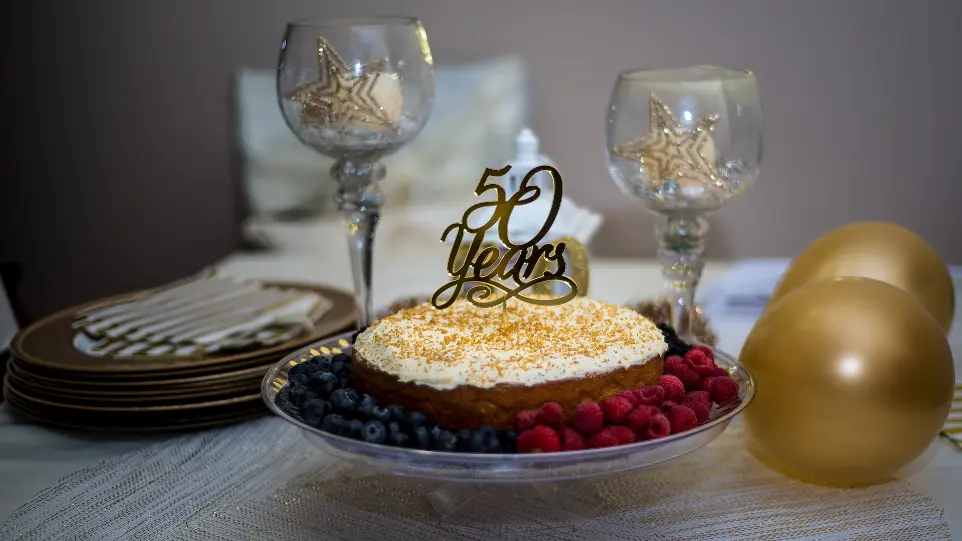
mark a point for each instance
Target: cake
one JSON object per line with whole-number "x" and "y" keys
{"x": 466, "y": 366}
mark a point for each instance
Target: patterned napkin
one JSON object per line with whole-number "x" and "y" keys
{"x": 953, "y": 425}
{"x": 202, "y": 315}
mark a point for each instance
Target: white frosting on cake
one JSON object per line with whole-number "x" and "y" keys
{"x": 466, "y": 345}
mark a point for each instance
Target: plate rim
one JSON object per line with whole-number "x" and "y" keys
{"x": 146, "y": 409}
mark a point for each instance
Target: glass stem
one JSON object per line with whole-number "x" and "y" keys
{"x": 359, "y": 199}
{"x": 681, "y": 242}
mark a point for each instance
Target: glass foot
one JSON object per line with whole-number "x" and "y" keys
{"x": 493, "y": 509}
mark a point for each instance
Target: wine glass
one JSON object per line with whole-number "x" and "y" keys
{"x": 684, "y": 141}
{"x": 356, "y": 90}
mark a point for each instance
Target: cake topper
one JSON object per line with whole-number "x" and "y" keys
{"x": 480, "y": 272}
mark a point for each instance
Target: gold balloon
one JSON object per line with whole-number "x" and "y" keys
{"x": 854, "y": 380}
{"x": 882, "y": 251}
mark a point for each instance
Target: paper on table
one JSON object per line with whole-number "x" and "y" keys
{"x": 745, "y": 289}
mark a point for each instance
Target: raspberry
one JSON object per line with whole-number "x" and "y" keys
{"x": 704, "y": 349}
{"x": 588, "y": 418}
{"x": 701, "y": 410}
{"x": 629, "y": 396}
{"x": 525, "y": 420}
{"x": 706, "y": 383}
{"x": 622, "y": 433}
{"x": 616, "y": 409}
{"x": 667, "y": 405}
{"x": 658, "y": 427}
{"x": 724, "y": 391}
{"x": 651, "y": 395}
{"x": 697, "y": 396}
{"x": 690, "y": 379}
{"x": 674, "y": 363}
{"x": 720, "y": 372}
{"x": 602, "y": 439}
{"x": 697, "y": 357}
{"x": 674, "y": 388}
{"x": 639, "y": 417}
{"x": 540, "y": 439}
{"x": 681, "y": 418}
{"x": 572, "y": 440}
{"x": 551, "y": 414}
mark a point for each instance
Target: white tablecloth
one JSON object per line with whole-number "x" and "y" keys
{"x": 33, "y": 457}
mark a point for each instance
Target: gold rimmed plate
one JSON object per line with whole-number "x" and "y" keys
{"x": 223, "y": 403}
{"x": 126, "y": 385}
{"x": 50, "y": 343}
{"x": 110, "y": 423}
{"x": 136, "y": 398}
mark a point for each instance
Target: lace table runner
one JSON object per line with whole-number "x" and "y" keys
{"x": 262, "y": 481}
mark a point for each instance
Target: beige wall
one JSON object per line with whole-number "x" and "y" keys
{"x": 120, "y": 171}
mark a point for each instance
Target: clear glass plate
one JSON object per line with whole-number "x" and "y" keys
{"x": 508, "y": 468}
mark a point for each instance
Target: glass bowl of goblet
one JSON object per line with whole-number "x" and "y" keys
{"x": 684, "y": 142}
{"x": 356, "y": 90}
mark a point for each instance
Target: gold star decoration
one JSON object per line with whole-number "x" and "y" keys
{"x": 669, "y": 151}
{"x": 341, "y": 95}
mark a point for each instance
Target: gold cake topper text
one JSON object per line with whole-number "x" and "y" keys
{"x": 485, "y": 270}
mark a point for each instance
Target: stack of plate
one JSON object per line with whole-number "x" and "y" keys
{"x": 52, "y": 378}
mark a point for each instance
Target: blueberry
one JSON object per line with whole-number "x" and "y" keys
{"x": 297, "y": 395}
{"x": 414, "y": 419}
{"x": 313, "y": 412}
{"x": 393, "y": 428}
{"x": 299, "y": 379}
{"x": 397, "y": 413}
{"x": 339, "y": 369}
{"x": 445, "y": 441}
{"x": 353, "y": 393}
{"x": 344, "y": 383}
{"x": 380, "y": 414}
{"x": 476, "y": 443}
{"x": 324, "y": 383}
{"x": 422, "y": 438}
{"x": 374, "y": 432}
{"x": 509, "y": 441}
{"x": 399, "y": 439}
{"x": 302, "y": 368}
{"x": 319, "y": 359}
{"x": 435, "y": 432}
{"x": 343, "y": 402}
{"x": 284, "y": 395}
{"x": 367, "y": 400}
{"x": 485, "y": 440}
{"x": 464, "y": 440}
{"x": 364, "y": 411}
{"x": 355, "y": 429}
{"x": 341, "y": 358}
{"x": 334, "y": 423}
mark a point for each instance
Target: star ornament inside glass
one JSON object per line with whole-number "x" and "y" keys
{"x": 672, "y": 152}
{"x": 344, "y": 95}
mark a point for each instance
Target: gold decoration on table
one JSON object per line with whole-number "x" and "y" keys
{"x": 670, "y": 151}
{"x": 342, "y": 94}
{"x": 879, "y": 250}
{"x": 479, "y": 271}
{"x": 855, "y": 379}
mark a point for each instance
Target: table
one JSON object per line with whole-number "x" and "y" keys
{"x": 34, "y": 457}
